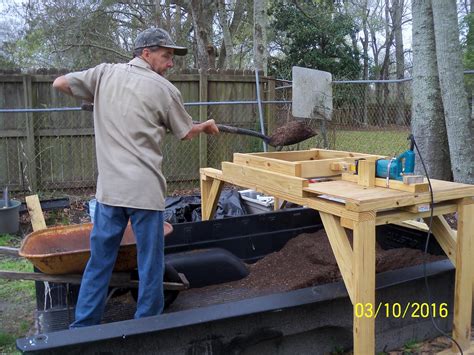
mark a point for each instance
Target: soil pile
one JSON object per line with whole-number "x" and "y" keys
{"x": 305, "y": 261}
{"x": 308, "y": 260}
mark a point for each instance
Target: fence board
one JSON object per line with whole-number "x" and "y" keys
{"x": 64, "y": 144}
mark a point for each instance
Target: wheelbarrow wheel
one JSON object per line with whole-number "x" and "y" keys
{"x": 170, "y": 275}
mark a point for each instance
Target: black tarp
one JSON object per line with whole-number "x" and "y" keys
{"x": 181, "y": 209}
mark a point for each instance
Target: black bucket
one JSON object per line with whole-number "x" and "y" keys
{"x": 9, "y": 216}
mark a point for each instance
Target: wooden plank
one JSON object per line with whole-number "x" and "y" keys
{"x": 300, "y": 168}
{"x": 206, "y": 184}
{"x": 59, "y": 132}
{"x": 30, "y": 133}
{"x": 341, "y": 248}
{"x": 270, "y": 110}
{"x": 118, "y": 279}
{"x": 277, "y": 204}
{"x": 8, "y": 251}
{"x": 210, "y": 192}
{"x": 394, "y": 216}
{"x": 211, "y": 172}
{"x": 422, "y": 207}
{"x": 393, "y": 184}
{"x": 213, "y": 198}
{"x": 464, "y": 275}
{"x": 445, "y": 236}
{"x": 327, "y": 154}
{"x": 12, "y": 133}
{"x": 319, "y": 168}
{"x": 419, "y": 226}
{"x": 364, "y": 287}
{"x": 35, "y": 212}
{"x": 237, "y": 174}
{"x": 316, "y": 203}
{"x": 366, "y": 175}
{"x": 289, "y": 156}
{"x": 360, "y": 199}
{"x": 276, "y": 165}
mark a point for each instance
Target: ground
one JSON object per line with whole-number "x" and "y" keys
{"x": 18, "y": 300}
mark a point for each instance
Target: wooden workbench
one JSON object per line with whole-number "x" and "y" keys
{"x": 358, "y": 203}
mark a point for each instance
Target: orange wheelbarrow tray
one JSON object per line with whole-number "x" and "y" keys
{"x": 66, "y": 249}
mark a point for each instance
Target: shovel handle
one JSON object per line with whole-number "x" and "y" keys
{"x": 222, "y": 127}
{"x": 240, "y": 131}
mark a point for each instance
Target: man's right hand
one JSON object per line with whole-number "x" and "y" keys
{"x": 210, "y": 127}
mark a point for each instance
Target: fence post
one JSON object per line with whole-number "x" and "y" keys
{"x": 203, "y": 97}
{"x": 30, "y": 160}
{"x": 270, "y": 109}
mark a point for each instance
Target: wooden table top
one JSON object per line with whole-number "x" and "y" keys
{"x": 364, "y": 198}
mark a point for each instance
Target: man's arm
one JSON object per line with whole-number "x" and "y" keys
{"x": 61, "y": 84}
{"x": 208, "y": 127}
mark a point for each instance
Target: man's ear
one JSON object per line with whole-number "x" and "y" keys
{"x": 145, "y": 52}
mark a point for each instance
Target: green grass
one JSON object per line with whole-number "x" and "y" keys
{"x": 372, "y": 142}
{"x": 10, "y": 289}
{"x": 7, "y": 240}
{"x": 7, "y": 344}
{"x": 18, "y": 296}
{"x": 386, "y": 142}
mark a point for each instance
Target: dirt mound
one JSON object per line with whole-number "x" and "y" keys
{"x": 308, "y": 260}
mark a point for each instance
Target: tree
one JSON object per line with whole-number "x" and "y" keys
{"x": 260, "y": 35}
{"x": 313, "y": 34}
{"x": 427, "y": 123}
{"x": 203, "y": 13}
{"x": 456, "y": 108}
{"x": 397, "y": 15}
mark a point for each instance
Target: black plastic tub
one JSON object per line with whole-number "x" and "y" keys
{"x": 314, "y": 320}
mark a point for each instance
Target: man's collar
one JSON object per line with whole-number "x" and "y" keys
{"x": 139, "y": 62}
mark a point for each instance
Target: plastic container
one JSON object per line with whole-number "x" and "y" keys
{"x": 256, "y": 202}
{"x": 92, "y": 204}
{"x": 9, "y": 216}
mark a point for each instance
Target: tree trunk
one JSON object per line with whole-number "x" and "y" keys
{"x": 384, "y": 72}
{"x": 365, "y": 49}
{"x": 226, "y": 55}
{"x": 202, "y": 14}
{"x": 158, "y": 13}
{"x": 427, "y": 121}
{"x": 260, "y": 35}
{"x": 179, "y": 61}
{"x": 451, "y": 77}
{"x": 397, "y": 12}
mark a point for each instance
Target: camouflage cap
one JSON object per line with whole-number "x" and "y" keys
{"x": 158, "y": 37}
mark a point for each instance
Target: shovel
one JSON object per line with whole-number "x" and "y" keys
{"x": 290, "y": 133}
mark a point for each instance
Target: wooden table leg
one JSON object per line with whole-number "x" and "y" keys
{"x": 464, "y": 275}
{"x": 364, "y": 284}
{"x": 210, "y": 191}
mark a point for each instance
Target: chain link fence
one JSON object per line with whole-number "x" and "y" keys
{"x": 52, "y": 151}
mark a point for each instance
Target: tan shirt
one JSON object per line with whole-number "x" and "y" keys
{"x": 133, "y": 108}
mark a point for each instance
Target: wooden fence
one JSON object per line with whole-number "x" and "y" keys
{"x": 50, "y": 151}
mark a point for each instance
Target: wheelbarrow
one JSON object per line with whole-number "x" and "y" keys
{"x": 61, "y": 254}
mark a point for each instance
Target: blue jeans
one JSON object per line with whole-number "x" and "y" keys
{"x": 109, "y": 224}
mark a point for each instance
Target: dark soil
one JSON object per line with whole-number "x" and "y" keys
{"x": 308, "y": 260}
{"x": 305, "y": 261}
{"x": 291, "y": 133}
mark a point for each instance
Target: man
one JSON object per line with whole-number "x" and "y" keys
{"x": 134, "y": 106}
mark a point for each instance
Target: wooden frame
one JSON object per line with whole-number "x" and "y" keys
{"x": 358, "y": 204}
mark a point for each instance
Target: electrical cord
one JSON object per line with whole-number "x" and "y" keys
{"x": 428, "y": 237}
